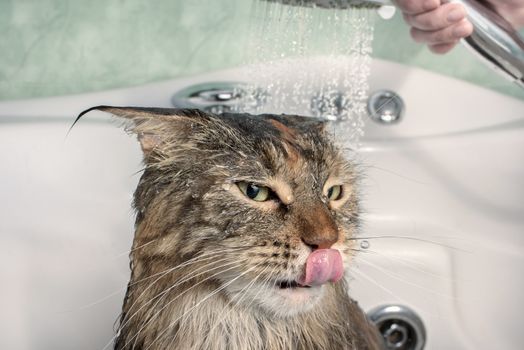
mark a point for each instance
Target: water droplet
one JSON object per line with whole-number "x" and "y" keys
{"x": 364, "y": 244}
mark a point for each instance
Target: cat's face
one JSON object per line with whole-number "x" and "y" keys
{"x": 256, "y": 194}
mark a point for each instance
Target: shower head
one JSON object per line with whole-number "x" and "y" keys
{"x": 334, "y": 4}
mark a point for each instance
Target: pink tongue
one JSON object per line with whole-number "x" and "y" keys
{"x": 323, "y": 265}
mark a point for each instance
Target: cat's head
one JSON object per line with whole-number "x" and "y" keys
{"x": 258, "y": 195}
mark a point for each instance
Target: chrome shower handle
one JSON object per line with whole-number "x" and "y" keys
{"x": 495, "y": 41}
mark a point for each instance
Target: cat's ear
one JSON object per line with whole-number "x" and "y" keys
{"x": 153, "y": 126}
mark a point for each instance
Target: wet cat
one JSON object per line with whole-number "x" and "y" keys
{"x": 243, "y": 232}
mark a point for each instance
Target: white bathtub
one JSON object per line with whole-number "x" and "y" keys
{"x": 452, "y": 172}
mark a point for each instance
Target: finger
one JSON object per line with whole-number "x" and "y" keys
{"x": 511, "y": 10}
{"x": 447, "y": 35}
{"x": 413, "y": 7}
{"x": 440, "y": 18}
{"x": 442, "y": 48}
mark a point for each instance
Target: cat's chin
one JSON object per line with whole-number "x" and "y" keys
{"x": 283, "y": 302}
{"x": 292, "y": 301}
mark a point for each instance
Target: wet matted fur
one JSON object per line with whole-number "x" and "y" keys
{"x": 212, "y": 268}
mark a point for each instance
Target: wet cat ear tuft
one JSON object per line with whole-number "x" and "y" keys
{"x": 150, "y": 124}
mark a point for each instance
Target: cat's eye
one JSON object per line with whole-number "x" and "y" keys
{"x": 334, "y": 193}
{"x": 254, "y": 192}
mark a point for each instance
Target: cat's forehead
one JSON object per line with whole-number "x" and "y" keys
{"x": 284, "y": 146}
{"x": 301, "y": 132}
{"x": 264, "y": 125}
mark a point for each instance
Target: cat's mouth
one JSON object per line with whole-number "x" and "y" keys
{"x": 322, "y": 266}
{"x": 287, "y": 284}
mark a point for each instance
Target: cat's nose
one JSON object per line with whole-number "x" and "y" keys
{"x": 319, "y": 231}
{"x": 320, "y": 241}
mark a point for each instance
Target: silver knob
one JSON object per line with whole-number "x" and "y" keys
{"x": 385, "y": 107}
{"x": 396, "y": 336}
{"x": 400, "y": 327}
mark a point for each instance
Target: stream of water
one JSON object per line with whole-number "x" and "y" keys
{"x": 310, "y": 61}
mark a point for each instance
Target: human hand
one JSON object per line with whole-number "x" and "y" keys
{"x": 441, "y": 24}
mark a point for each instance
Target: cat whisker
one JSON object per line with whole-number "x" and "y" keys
{"x": 95, "y": 302}
{"x": 398, "y": 278}
{"x": 394, "y": 173}
{"x": 125, "y": 321}
{"x": 236, "y": 265}
{"x": 225, "y": 312}
{"x": 200, "y": 302}
{"x": 253, "y": 281}
{"x": 120, "y": 290}
{"x": 408, "y": 263}
{"x": 160, "y": 295}
{"x": 361, "y": 274}
{"x": 409, "y": 238}
{"x": 185, "y": 279}
{"x": 240, "y": 296}
{"x": 265, "y": 285}
{"x": 127, "y": 252}
{"x": 429, "y": 312}
{"x": 262, "y": 287}
{"x": 196, "y": 259}
{"x": 246, "y": 247}
{"x": 141, "y": 170}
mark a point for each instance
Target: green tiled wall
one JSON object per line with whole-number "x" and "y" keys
{"x": 58, "y": 47}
